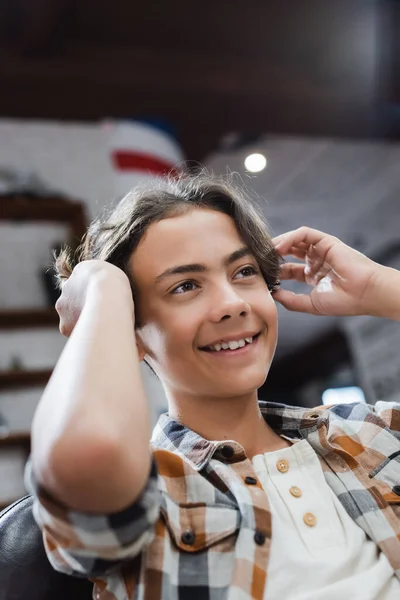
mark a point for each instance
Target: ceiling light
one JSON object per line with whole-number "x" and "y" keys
{"x": 255, "y": 163}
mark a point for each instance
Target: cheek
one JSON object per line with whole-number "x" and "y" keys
{"x": 272, "y": 310}
{"x": 263, "y": 303}
{"x": 171, "y": 335}
{"x": 180, "y": 332}
{"x": 272, "y": 321}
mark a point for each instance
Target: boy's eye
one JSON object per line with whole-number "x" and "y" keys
{"x": 247, "y": 271}
{"x": 190, "y": 286}
{"x": 186, "y": 286}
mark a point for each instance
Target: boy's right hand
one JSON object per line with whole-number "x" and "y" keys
{"x": 86, "y": 276}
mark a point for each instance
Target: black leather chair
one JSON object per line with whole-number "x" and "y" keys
{"x": 25, "y": 572}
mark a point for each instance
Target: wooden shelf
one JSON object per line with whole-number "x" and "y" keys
{"x": 15, "y": 439}
{"x": 18, "y": 379}
{"x": 24, "y": 207}
{"x": 21, "y": 318}
{"x": 29, "y": 208}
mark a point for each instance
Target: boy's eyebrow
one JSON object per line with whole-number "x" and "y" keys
{"x": 198, "y": 268}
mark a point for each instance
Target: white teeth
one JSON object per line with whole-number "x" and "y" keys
{"x": 234, "y": 345}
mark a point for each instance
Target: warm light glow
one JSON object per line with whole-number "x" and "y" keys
{"x": 255, "y": 163}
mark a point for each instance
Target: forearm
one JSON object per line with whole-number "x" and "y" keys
{"x": 91, "y": 431}
{"x": 384, "y": 294}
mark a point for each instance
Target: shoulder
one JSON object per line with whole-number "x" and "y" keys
{"x": 382, "y": 413}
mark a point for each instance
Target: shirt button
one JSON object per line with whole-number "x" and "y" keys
{"x": 259, "y": 538}
{"x": 310, "y": 520}
{"x": 295, "y": 491}
{"x": 250, "y": 480}
{"x": 188, "y": 538}
{"x": 282, "y": 465}
{"x": 227, "y": 451}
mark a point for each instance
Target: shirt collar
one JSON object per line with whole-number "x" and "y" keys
{"x": 292, "y": 421}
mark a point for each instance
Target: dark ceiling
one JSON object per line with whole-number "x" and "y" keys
{"x": 313, "y": 67}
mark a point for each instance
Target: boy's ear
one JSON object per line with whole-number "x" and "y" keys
{"x": 140, "y": 346}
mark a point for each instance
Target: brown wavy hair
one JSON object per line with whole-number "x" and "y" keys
{"x": 115, "y": 235}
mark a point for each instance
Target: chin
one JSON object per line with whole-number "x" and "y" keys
{"x": 244, "y": 384}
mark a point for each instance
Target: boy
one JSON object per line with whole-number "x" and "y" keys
{"x": 238, "y": 498}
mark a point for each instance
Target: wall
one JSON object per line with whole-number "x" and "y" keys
{"x": 72, "y": 159}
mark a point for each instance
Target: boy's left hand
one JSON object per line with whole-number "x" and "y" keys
{"x": 344, "y": 280}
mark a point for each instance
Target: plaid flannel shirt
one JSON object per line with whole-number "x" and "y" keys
{"x": 200, "y": 531}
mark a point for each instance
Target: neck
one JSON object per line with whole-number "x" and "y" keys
{"x": 238, "y": 418}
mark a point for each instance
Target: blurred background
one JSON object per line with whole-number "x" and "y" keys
{"x": 300, "y": 98}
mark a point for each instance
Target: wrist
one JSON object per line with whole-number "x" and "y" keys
{"x": 111, "y": 289}
{"x": 384, "y": 294}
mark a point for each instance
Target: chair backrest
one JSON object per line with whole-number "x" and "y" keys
{"x": 25, "y": 572}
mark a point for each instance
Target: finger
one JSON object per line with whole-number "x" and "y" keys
{"x": 293, "y": 271}
{"x": 301, "y": 235}
{"x": 298, "y": 252}
{"x": 302, "y": 246}
{"x": 303, "y": 273}
{"x": 316, "y": 263}
{"x": 276, "y": 241}
{"x": 63, "y": 329}
{"x": 322, "y": 242}
{"x": 295, "y": 302}
{"x": 57, "y": 305}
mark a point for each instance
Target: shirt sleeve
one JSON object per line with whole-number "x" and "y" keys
{"x": 91, "y": 545}
{"x": 389, "y": 412}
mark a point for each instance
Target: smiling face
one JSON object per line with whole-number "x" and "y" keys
{"x": 198, "y": 286}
